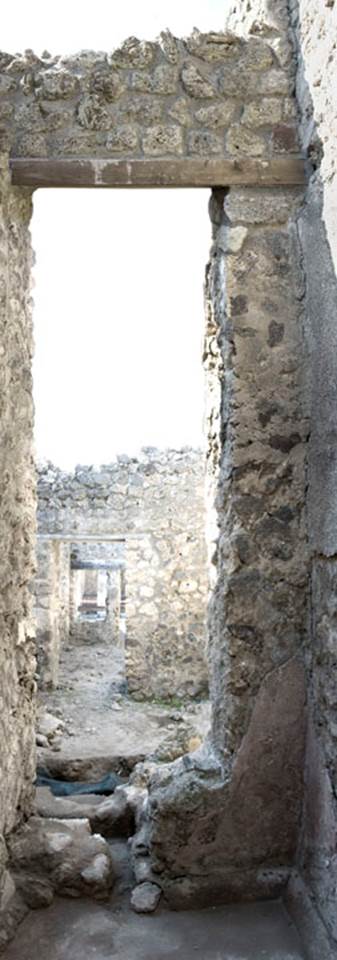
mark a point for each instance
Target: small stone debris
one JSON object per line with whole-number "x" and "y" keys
{"x": 145, "y": 897}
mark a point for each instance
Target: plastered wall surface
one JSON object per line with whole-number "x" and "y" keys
{"x": 157, "y": 503}
{"x": 200, "y": 810}
{"x": 315, "y": 31}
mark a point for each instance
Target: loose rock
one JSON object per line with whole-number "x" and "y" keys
{"x": 145, "y": 897}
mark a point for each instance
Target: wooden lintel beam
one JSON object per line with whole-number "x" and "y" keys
{"x": 103, "y": 172}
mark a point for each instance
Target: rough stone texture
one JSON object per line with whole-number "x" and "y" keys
{"x": 59, "y": 856}
{"x": 145, "y": 897}
{"x": 200, "y": 808}
{"x": 314, "y": 33}
{"x": 17, "y": 685}
{"x": 156, "y": 504}
{"x": 124, "y": 103}
{"x": 223, "y": 823}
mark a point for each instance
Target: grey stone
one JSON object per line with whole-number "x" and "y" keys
{"x": 61, "y": 856}
{"x": 122, "y": 138}
{"x": 56, "y": 84}
{"x": 217, "y": 115}
{"x": 169, "y": 46}
{"x": 241, "y": 140}
{"x": 133, "y": 53}
{"x": 202, "y": 142}
{"x": 163, "y": 80}
{"x": 145, "y": 897}
{"x": 196, "y": 84}
{"x": 266, "y": 111}
{"x": 161, "y": 139}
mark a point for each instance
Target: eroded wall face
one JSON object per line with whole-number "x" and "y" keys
{"x": 17, "y": 684}
{"x": 315, "y": 27}
{"x": 157, "y": 505}
{"x": 226, "y": 822}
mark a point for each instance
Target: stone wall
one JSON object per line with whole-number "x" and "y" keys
{"x": 315, "y": 30}
{"x": 249, "y": 785}
{"x": 17, "y": 684}
{"x": 209, "y": 95}
{"x": 222, "y": 823}
{"x": 156, "y": 506}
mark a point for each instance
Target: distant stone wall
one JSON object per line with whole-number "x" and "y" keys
{"x": 155, "y": 506}
{"x": 107, "y": 629}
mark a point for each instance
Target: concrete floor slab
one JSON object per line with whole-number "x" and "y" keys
{"x": 82, "y": 930}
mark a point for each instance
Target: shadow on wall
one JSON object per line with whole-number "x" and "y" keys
{"x": 317, "y": 852}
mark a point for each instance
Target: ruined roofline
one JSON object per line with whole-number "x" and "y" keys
{"x": 214, "y": 108}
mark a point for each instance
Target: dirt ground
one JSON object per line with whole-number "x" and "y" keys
{"x": 98, "y": 727}
{"x": 82, "y": 930}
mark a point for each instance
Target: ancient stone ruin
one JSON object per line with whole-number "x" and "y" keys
{"x": 251, "y": 813}
{"x": 145, "y": 526}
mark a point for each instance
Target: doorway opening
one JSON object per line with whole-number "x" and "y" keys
{"x": 122, "y": 581}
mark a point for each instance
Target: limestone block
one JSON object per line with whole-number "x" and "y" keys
{"x": 266, "y": 111}
{"x": 241, "y": 140}
{"x": 56, "y": 84}
{"x": 163, "y": 80}
{"x": 107, "y": 83}
{"x": 92, "y": 113}
{"x": 159, "y": 140}
{"x": 133, "y": 53}
{"x": 32, "y": 145}
{"x": 122, "y": 138}
{"x": 204, "y": 143}
{"x": 258, "y": 55}
{"x": 196, "y": 84}
{"x": 263, "y": 205}
{"x": 217, "y": 115}
{"x": 274, "y": 81}
{"x": 169, "y": 46}
{"x": 214, "y": 46}
{"x": 145, "y": 110}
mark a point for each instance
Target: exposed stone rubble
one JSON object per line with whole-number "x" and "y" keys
{"x": 59, "y": 856}
{"x": 145, "y": 897}
{"x": 171, "y": 98}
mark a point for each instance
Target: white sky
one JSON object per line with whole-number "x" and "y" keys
{"x": 118, "y": 298}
